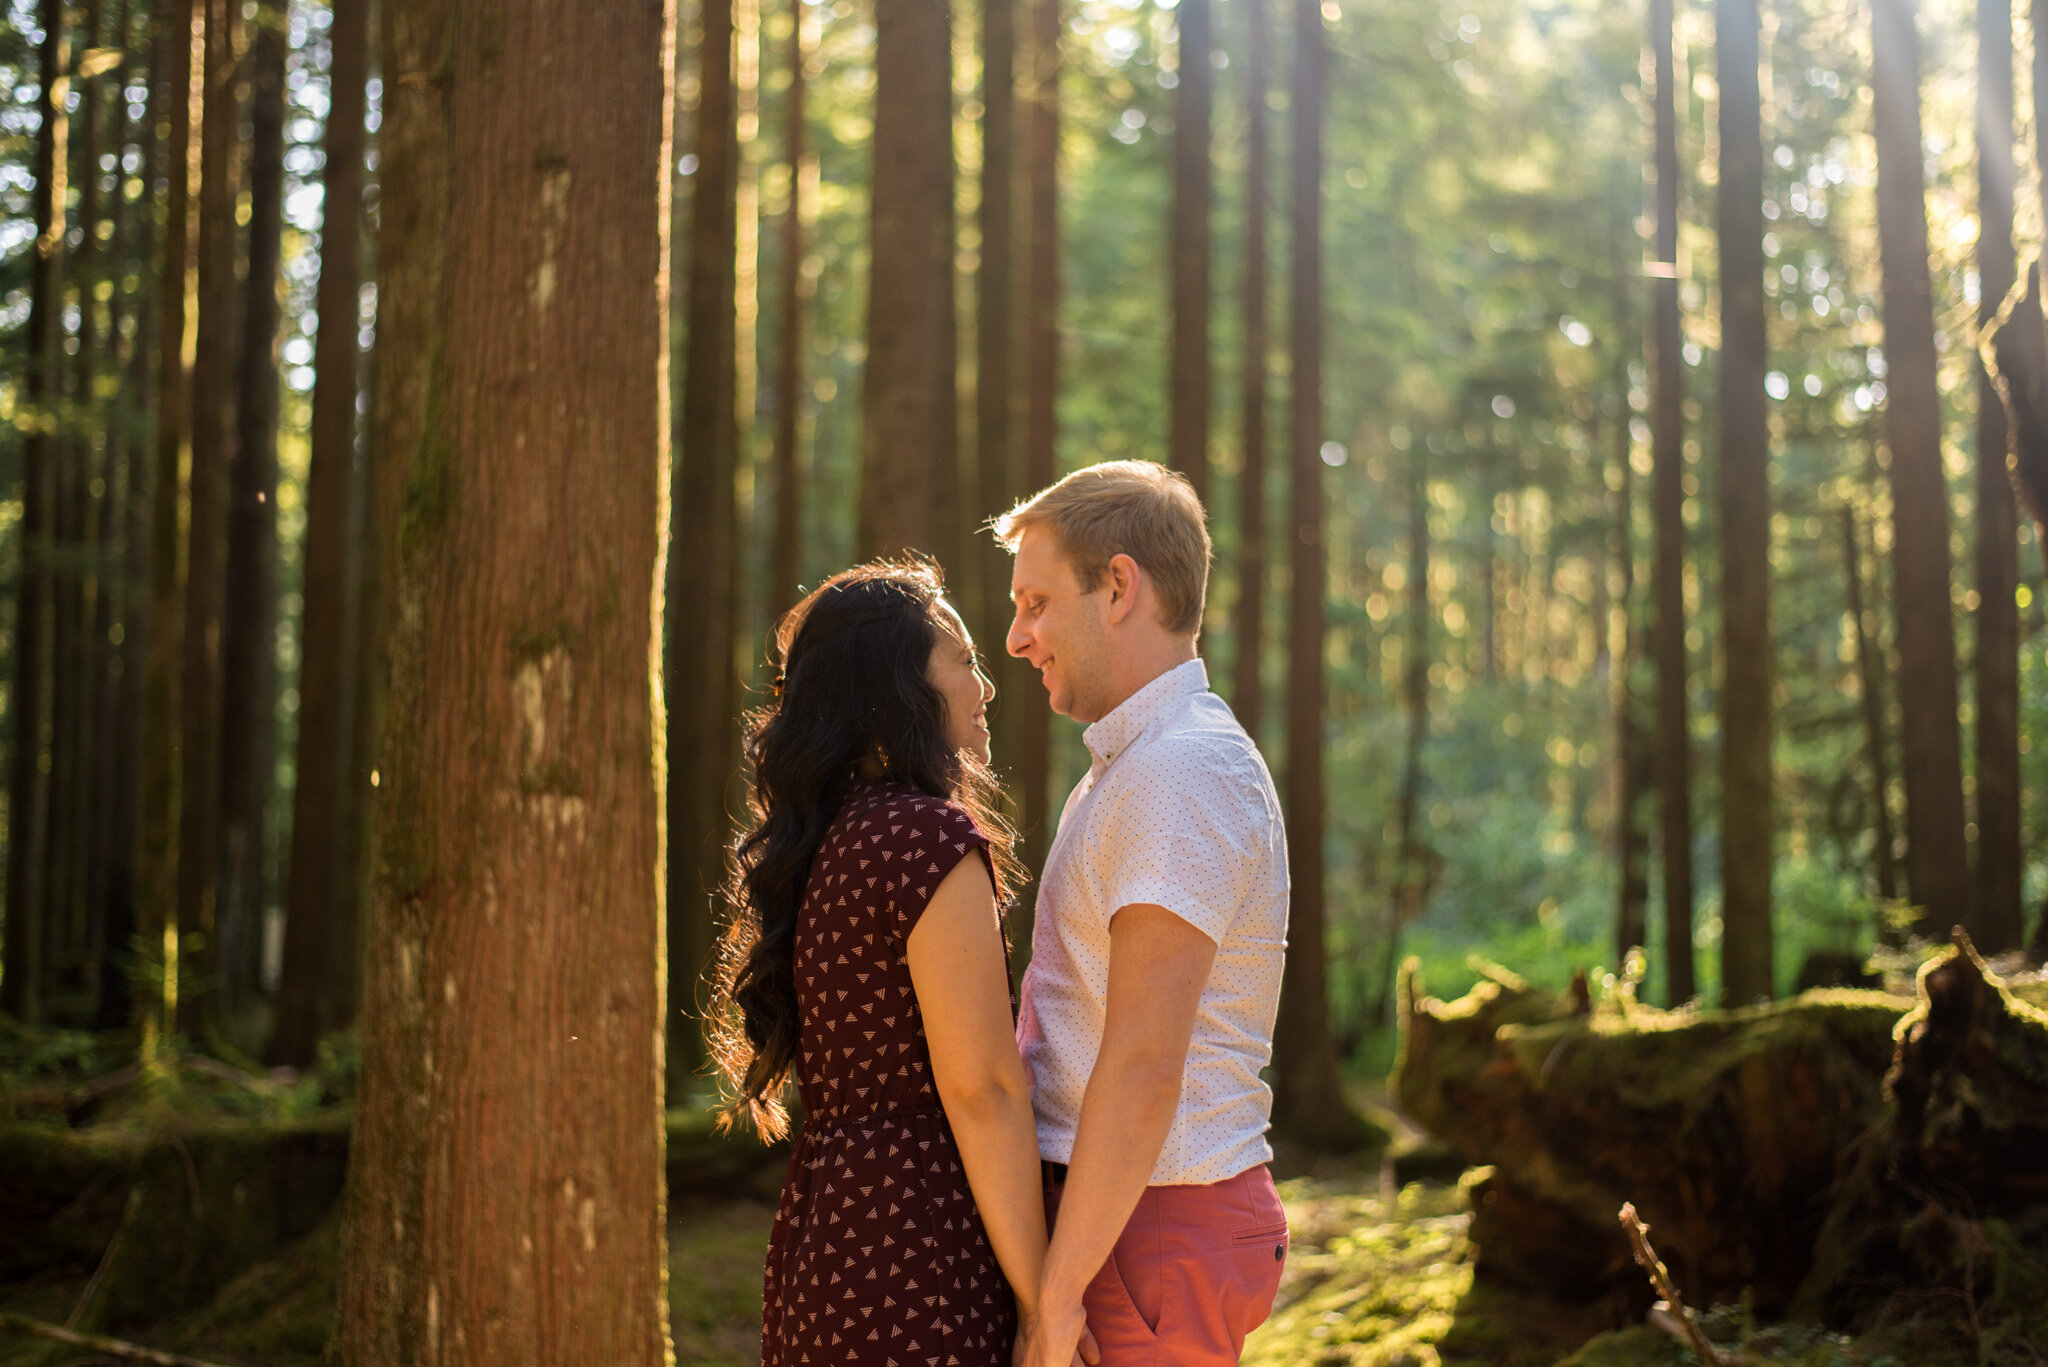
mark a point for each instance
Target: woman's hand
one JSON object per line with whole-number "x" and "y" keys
{"x": 1060, "y": 1340}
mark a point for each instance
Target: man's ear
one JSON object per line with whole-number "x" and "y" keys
{"x": 1124, "y": 579}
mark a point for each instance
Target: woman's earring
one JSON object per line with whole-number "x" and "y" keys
{"x": 882, "y": 758}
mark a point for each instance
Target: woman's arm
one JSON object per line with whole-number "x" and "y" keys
{"x": 955, "y": 954}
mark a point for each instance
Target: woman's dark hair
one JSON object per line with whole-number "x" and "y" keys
{"x": 853, "y": 698}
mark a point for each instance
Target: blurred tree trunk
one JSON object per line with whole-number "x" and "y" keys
{"x": 318, "y": 989}
{"x": 1745, "y": 487}
{"x": 1041, "y": 386}
{"x": 1667, "y": 505}
{"x": 698, "y": 595}
{"x": 909, "y": 412}
{"x": 514, "y": 963}
{"x": 1409, "y": 892}
{"x": 125, "y": 536}
{"x": 1632, "y": 763}
{"x": 249, "y": 641}
{"x": 786, "y": 554}
{"x": 1870, "y": 677}
{"x": 157, "y": 867}
{"x": 1937, "y": 859}
{"x": 1248, "y": 695}
{"x": 1307, "y": 1099}
{"x": 28, "y": 787}
{"x": 1187, "y": 436}
{"x": 1998, "y": 923}
{"x": 81, "y": 441}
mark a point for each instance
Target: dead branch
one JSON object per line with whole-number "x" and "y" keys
{"x": 1670, "y": 1315}
{"x": 98, "y": 1343}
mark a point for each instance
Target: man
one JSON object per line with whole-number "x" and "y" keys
{"x": 1161, "y": 930}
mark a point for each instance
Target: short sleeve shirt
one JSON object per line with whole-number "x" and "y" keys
{"x": 1177, "y": 810}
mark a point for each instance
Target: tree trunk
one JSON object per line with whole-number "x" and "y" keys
{"x": 1187, "y": 436}
{"x": 1409, "y": 894}
{"x": 786, "y": 556}
{"x": 1308, "y": 1101}
{"x": 28, "y": 788}
{"x": 1746, "y": 646}
{"x": 1937, "y": 860}
{"x": 515, "y": 969}
{"x": 909, "y": 415}
{"x": 1998, "y": 923}
{"x": 1667, "y": 504}
{"x": 249, "y": 641}
{"x": 1871, "y": 679}
{"x": 698, "y": 593}
{"x": 213, "y": 435}
{"x": 1041, "y": 386}
{"x": 1632, "y": 757}
{"x": 1248, "y": 694}
{"x": 318, "y": 990}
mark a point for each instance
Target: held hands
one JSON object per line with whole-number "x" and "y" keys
{"x": 1060, "y": 1338}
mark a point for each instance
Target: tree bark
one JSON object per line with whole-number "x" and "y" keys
{"x": 1998, "y": 923}
{"x": 1409, "y": 894}
{"x": 1667, "y": 505}
{"x": 1308, "y": 1101}
{"x": 213, "y": 437}
{"x": 1187, "y": 436}
{"x": 249, "y": 637}
{"x": 1937, "y": 860}
{"x": 1746, "y": 645}
{"x": 699, "y": 587}
{"x": 909, "y": 412}
{"x": 1248, "y": 694}
{"x": 317, "y": 992}
{"x": 1632, "y": 762}
{"x": 786, "y": 554}
{"x": 28, "y": 788}
{"x": 1871, "y": 678}
{"x": 1041, "y": 388}
{"x": 515, "y": 964}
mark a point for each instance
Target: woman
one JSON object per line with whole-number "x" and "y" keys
{"x": 867, "y": 959}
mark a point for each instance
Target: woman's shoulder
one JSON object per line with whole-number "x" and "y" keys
{"x": 895, "y": 814}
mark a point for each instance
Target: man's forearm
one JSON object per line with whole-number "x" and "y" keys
{"x": 1126, "y": 1114}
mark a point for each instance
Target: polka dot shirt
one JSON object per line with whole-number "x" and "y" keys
{"x": 1177, "y": 810}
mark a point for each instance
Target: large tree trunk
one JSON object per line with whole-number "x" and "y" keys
{"x": 1247, "y": 693}
{"x": 213, "y": 436}
{"x": 1187, "y": 431}
{"x": 1746, "y": 647}
{"x": 909, "y": 405}
{"x": 1632, "y": 758}
{"x": 1409, "y": 893}
{"x": 697, "y": 679}
{"x": 1308, "y": 1102}
{"x": 515, "y": 963}
{"x": 786, "y": 553}
{"x": 28, "y": 706}
{"x": 1041, "y": 387}
{"x": 157, "y": 865}
{"x": 1937, "y": 860}
{"x": 249, "y": 642}
{"x": 318, "y": 990}
{"x": 1998, "y": 921}
{"x": 1870, "y": 677}
{"x": 1667, "y": 507}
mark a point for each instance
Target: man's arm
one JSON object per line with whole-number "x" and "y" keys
{"x": 1157, "y": 966}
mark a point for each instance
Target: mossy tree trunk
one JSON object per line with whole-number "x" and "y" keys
{"x": 1247, "y": 693}
{"x": 1187, "y": 436}
{"x": 1041, "y": 382}
{"x": 786, "y": 550}
{"x": 1871, "y": 680}
{"x": 506, "y": 1201}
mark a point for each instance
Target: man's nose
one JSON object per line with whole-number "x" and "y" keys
{"x": 1019, "y": 639}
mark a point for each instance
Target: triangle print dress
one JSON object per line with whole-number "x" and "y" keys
{"x": 878, "y": 1258}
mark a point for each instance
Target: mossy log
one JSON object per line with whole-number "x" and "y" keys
{"x": 1726, "y": 1129}
{"x": 1818, "y": 1155}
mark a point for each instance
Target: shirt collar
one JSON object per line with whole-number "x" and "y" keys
{"x": 1111, "y": 736}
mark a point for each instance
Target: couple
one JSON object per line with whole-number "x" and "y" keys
{"x": 1089, "y": 1184}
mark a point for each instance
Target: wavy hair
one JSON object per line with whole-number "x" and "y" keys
{"x": 853, "y": 696}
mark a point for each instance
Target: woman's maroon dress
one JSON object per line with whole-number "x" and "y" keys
{"x": 878, "y": 1258}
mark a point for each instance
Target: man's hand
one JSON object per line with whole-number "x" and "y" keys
{"x": 1060, "y": 1339}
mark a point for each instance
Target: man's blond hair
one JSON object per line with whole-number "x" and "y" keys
{"x": 1126, "y": 507}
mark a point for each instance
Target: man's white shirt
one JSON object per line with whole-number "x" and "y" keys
{"x": 1176, "y": 810}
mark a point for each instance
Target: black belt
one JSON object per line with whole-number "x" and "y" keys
{"x": 1055, "y": 1173}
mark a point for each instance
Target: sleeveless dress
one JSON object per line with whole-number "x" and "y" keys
{"x": 878, "y": 1257}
